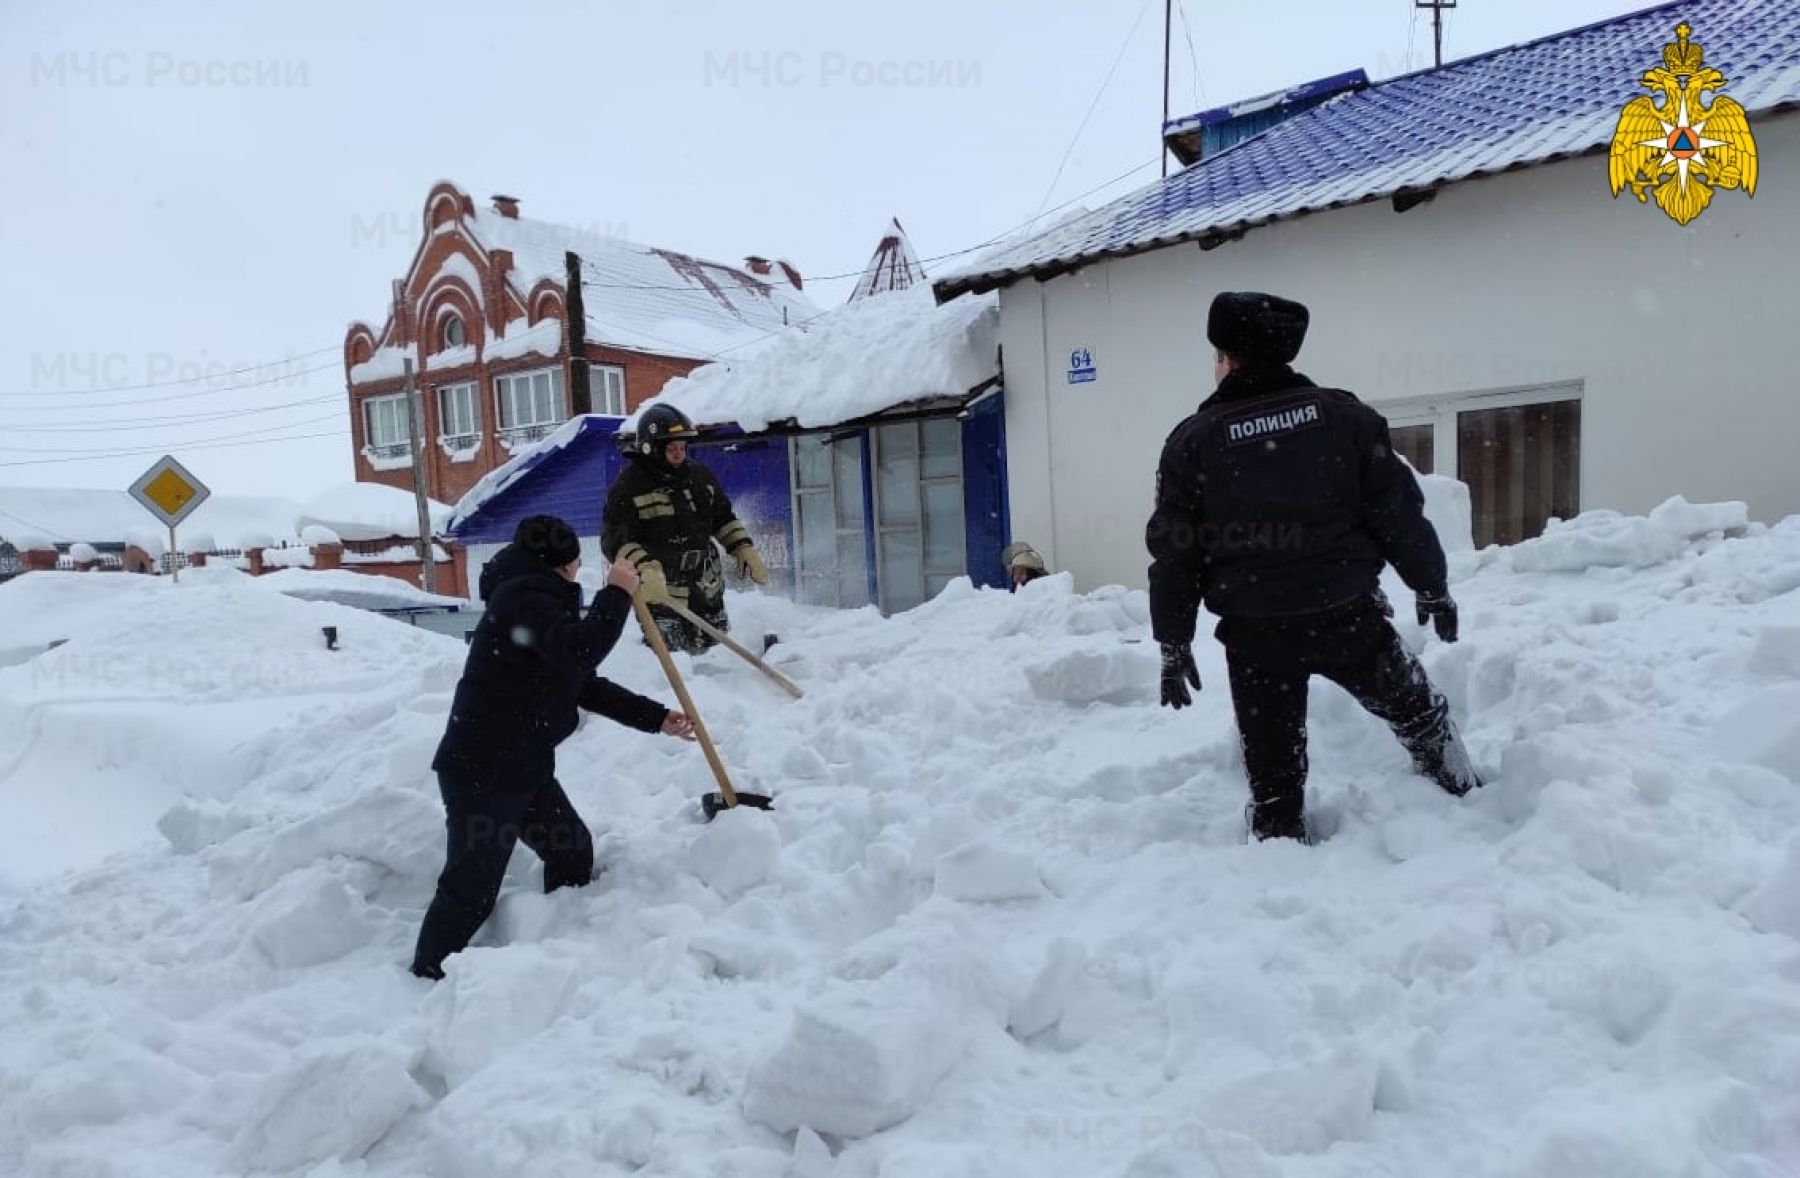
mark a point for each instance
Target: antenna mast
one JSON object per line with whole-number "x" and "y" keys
{"x": 1437, "y": 27}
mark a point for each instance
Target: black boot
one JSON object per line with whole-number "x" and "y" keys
{"x": 1275, "y": 821}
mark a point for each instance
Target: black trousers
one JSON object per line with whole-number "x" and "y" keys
{"x": 1270, "y": 663}
{"x": 680, "y": 634}
{"x": 483, "y": 827}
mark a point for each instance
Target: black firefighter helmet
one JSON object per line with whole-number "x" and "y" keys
{"x": 659, "y": 425}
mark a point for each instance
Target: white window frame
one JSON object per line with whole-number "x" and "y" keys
{"x": 607, "y": 382}
{"x": 375, "y": 444}
{"x": 459, "y": 418}
{"x": 544, "y": 401}
{"x": 1439, "y": 410}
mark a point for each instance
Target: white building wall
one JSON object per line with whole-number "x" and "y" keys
{"x": 1678, "y": 336}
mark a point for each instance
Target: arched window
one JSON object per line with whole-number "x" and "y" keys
{"x": 453, "y": 331}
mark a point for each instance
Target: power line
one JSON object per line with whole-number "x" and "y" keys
{"x": 164, "y": 422}
{"x": 1092, "y": 106}
{"x": 184, "y": 445}
{"x": 333, "y": 433}
{"x": 1187, "y": 31}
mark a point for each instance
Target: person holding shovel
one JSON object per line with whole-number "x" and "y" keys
{"x": 531, "y": 668}
{"x": 667, "y": 515}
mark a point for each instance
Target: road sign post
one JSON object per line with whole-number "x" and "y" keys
{"x": 170, "y": 492}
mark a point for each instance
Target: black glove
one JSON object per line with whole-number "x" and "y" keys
{"x": 1178, "y": 665}
{"x": 1440, "y": 611}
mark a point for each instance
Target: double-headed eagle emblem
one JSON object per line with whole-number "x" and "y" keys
{"x": 1684, "y": 148}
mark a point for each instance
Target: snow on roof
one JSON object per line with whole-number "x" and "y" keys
{"x": 893, "y": 266}
{"x": 369, "y": 511}
{"x": 859, "y": 359}
{"x": 1526, "y": 104}
{"x": 103, "y": 516}
{"x": 644, "y": 299}
{"x": 522, "y": 462}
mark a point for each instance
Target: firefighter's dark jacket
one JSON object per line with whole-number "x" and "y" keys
{"x": 1280, "y": 498}
{"x": 671, "y": 515}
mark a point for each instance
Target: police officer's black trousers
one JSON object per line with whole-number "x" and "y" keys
{"x": 483, "y": 827}
{"x": 1270, "y": 662}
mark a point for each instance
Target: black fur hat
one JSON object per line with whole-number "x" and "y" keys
{"x": 1256, "y": 328}
{"x": 547, "y": 538}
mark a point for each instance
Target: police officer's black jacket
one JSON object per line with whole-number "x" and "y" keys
{"x": 671, "y": 515}
{"x": 1278, "y": 498}
{"x": 530, "y": 666}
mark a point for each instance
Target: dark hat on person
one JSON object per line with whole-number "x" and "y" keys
{"x": 1256, "y": 328}
{"x": 547, "y": 538}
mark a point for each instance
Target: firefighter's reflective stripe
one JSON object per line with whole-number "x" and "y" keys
{"x": 734, "y": 535}
{"x": 634, "y": 552}
{"x": 653, "y": 505}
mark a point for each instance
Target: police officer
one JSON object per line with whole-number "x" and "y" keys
{"x": 663, "y": 514}
{"x": 1277, "y": 504}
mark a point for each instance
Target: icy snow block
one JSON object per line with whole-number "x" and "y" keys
{"x": 309, "y": 919}
{"x": 1042, "y": 1006}
{"x": 856, "y": 1063}
{"x": 333, "y": 1100}
{"x": 1776, "y": 908}
{"x": 1777, "y": 652}
{"x": 1447, "y": 510}
{"x": 983, "y": 872}
{"x": 1299, "y": 1109}
{"x": 736, "y": 851}
{"x": 1690, "y": 521}
{"x": 1764, "y": 730}
{"x": 497, "y": 1002}
{"x": 1111, "y": 673}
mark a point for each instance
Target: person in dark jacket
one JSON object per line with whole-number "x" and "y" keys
{"x": 1277, "y": 504}
{"x": 668, "y": 516}
{"x": 530, "y": 669}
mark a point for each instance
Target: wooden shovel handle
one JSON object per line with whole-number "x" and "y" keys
{"x": 719, "y": 636}
{"x": 654, "y": 636}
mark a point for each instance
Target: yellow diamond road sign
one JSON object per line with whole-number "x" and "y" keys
{"x": 169, "y": 490}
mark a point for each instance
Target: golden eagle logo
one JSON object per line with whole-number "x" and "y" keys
{"x": 1684, "y": 148}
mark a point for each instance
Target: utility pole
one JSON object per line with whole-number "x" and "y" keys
{"x": 1437, "y": 27}
{"x": 415, "y": 409}
{"x": 1163, "y": 144}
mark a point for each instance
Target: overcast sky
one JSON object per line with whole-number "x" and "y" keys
{"x": 200, "y": 188}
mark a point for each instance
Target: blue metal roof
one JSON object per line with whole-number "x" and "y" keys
{"x": 1527, "y": 104}
{"x": 1306, "y": 91}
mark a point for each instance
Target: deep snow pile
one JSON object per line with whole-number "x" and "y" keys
{"x": 1003, "y": 921}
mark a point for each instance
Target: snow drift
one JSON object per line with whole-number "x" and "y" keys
{"x": 1002, "y": 922}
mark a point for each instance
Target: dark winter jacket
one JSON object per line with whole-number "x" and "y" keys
{"x": 672, "y": 515}
{"x": 530, "y": 666}
{"x": 1279, "y": 498}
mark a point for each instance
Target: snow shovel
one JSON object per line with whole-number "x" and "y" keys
{"x": 727, "y": 797}
{"x": 724, "y": 639}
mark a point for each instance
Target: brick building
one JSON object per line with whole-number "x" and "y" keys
{"x": 504, "y": 350}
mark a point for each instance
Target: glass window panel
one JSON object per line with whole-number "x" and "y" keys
{"x": 812, "y": 462}
{"x": 846, "y": 465}
{"x": 902, "y": 585}
{"x": 943, "y": 526}
{"x": 1415, "y": 444}
{"x": 897, "y": 478}
{"x": 818, "y": 539}
{"x": 941, "y": 448}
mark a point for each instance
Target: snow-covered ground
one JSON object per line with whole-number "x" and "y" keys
{"x": 1003, "y": 921}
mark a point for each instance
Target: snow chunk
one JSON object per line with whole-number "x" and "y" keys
{"x": 855, "y": 1063}
{"x": 1041, "y": 1007}
{"x": 1764, "y": 730}
{"x": 496, "y": 1003}
{"x": 308, "y": 920}
{"x": 334, "y": 1100}
{"x": 154, "y": 543}
{"x": 318, "y": 535}
{"x": 1776, "y": 908}
{"x": 1448, "y": 509}
{"x": 31, "y": 542}
{"x": 980, "y": 871}
{"x": 1777, "y": 652}
{"x": 736, "y": 851}
{"x": 83, "y": 553}
{"x": 1102, "y": 673}
{"x": 1608, "y": 539}
{"x": 200, "y": 542}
